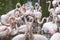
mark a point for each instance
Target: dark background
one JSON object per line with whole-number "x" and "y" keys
{"x": 7, "y": 5}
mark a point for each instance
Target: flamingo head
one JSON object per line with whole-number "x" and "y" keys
{"x": 48, "y": 2}
{"x": 54, "y": 3}
{"x": 12, "y": 22}
{"x": 18, "y": 5}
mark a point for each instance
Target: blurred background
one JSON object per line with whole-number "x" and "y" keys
{"x": 7, "y": 5}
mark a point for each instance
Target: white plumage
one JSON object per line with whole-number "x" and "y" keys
{"x": 49, "y": 27}
{"x": 56, "y": 36}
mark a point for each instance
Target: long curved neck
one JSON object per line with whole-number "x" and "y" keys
{"x": 29, "y": 28}
{"x": 26, "y": 25}
{"x": 49, "y": 6}
{"x": 40, "y": 22}
{"x": 26, "y": 31}
{"x": 31, "y": 33}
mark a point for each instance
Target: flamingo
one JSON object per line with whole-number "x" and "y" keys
{"x": 36, "y": 6}
{"x": 38, "y": 16}
{"x": 18, "y": 5}
{"x": 5, "y": 31}
{"x": 21, "y": 28}
{"x": 57, "y": 12}
{"x": 5, "y": 20}
{"x": 16, "y": 10}
{"x": 55, "y": 3}
{"x": 52, "y": 11}
{"x": 56, "y": 36}
{"x": 52, "y": 29}
{"x": 22, "y": 36}
{"x": 35, "y": 36}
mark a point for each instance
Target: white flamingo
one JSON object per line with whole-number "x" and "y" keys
{"x": 51, "y": 10}
{"x": 57, "y": 12}
{"x": 50, "y": 27}
{"x": 16, "y": 10}
{"x": 55, "y": 3}
{"x": 21, "y": 36}
{"x": 5, "y": 31}
{"x": 56, "y": 36}
{"x": 5, "y": 20}
{"x": 35, "y": 36}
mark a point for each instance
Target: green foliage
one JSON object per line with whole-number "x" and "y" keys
{"x": 7, "y": 5}
{"x": 44, "y": 7}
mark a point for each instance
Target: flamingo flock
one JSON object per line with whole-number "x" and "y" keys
{"x": 25, "y": 22}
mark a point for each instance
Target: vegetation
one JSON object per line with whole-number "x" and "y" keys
{"x": 7, "y": 5}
